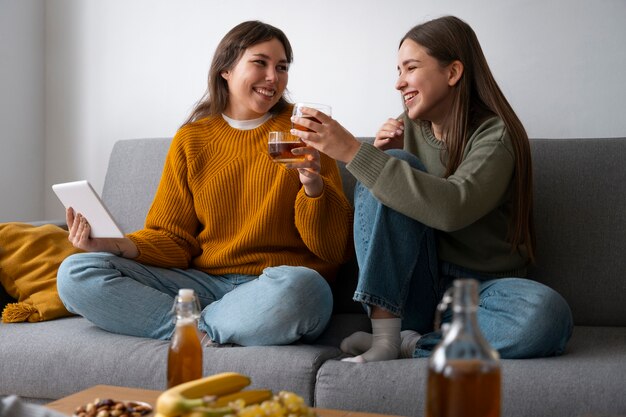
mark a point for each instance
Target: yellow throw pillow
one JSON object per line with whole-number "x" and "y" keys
{"x": 29, "y": 259}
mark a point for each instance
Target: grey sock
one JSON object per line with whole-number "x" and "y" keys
{"x": 356, "y": 343}
{"x": 408, "y": 342}
{"x": 385, "y": 341}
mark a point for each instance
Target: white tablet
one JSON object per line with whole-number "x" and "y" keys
{"x": 81, "y": 196}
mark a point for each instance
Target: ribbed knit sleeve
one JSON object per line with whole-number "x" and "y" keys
{"x": 169, "y": 237}
{"x": 367, "y": 164}
{"x": 325, "y": 222}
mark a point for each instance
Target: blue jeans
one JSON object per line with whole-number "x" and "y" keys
{"x": 399, "y": 271}
{"x": 283, "y": 305}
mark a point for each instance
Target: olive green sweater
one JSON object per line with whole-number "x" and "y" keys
{"x": 470, "y": 209}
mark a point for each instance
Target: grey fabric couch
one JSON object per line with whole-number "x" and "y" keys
{"x": 581, "y": 229}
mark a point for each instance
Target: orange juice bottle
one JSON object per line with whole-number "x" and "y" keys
{"x": 184, "y": 359}
{"x": 463, "y": 369}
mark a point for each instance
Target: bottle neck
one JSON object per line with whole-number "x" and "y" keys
{"x": 463, "y": 339}
{"x": 186, "y": 321}
{"x": 465, "y": 295}
{"x": 186, "y": 311}
{"x": 465, "y": 305}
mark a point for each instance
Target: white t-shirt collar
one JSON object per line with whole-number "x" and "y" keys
{"x": 247, "y": 124}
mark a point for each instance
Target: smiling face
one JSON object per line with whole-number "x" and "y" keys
{"x": 257, "y": 81}
{"x": 426, "y": 85}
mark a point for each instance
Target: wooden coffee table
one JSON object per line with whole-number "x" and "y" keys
{"x": 67, "y": 405}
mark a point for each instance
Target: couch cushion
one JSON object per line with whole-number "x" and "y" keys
{"x": 581, "y": 225}
{"x": 60, "y": 357}
{"x": 589, "y": 378}
{"x": 29, "y": 259}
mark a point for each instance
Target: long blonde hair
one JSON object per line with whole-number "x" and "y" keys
{"x": 476, "y": 97}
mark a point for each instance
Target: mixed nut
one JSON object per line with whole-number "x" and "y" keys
{"x": 112, "y": 408}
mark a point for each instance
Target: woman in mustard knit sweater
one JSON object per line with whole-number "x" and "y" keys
{"x": 256, "y": 241}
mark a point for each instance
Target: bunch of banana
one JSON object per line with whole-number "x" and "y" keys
{"x": 220, "y": 395}
{"x": 285, "y": 404}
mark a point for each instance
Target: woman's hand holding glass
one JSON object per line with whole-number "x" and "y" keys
{"x": 324, "y": 134}
{"x": 292, "y": 153}
{"x": 309, "y": 170}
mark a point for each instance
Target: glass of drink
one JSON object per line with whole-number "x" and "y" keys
{"x": 280, "y": 144}
{"x": 297, "y": 111}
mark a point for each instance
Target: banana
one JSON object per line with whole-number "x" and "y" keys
{"x": 209, "y": 412}
{"x": 184, "y": 397}
{"x": 252, "y": 396}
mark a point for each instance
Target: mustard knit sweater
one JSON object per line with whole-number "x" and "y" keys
{"x": 223, "y": 206}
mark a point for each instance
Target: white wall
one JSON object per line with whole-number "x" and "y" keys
{"x": 134, "y": 68}
{"x": 21, "y": 109}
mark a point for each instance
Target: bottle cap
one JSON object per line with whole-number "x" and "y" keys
{"x": 186, "y": 294}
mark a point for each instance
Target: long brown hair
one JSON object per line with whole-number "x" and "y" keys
{"x": 476, "y": 96}
{"x": 227, "y": 54}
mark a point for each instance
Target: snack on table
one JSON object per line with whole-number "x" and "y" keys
{"x": 285, "y": 404}
{"x": 113, "y": 408}
{"x": 220, "y": 395}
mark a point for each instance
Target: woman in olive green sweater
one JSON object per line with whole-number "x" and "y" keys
{"x": 444, "y": 192}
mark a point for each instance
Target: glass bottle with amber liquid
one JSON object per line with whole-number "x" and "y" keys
{"x": 463, "y": 370}
{"x": 184, "y": 359}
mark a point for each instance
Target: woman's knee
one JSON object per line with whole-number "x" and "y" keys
{"x": 555, "y": 320}
{"x": 66, "y": 275}
{"x": 303, "y": 285}
{"x": 413, "y": 160}
{"x": 303, "y": 292}
{"x": 363, "y": 194}
{"x": 315, "y": 298}
{"x": 73, "y": 276}
{"x": 537, "y": 320}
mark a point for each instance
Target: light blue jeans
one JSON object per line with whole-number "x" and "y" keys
{"x": 400, "y": 272}
{"x": 283, "y": 305}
